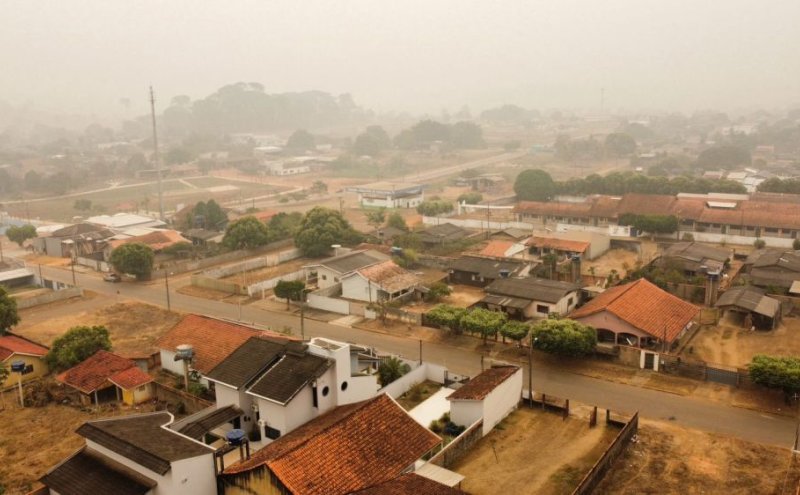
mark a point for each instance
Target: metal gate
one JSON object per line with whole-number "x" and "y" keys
{"x": 649, "y": 360}
{"x": 726, "y": 377}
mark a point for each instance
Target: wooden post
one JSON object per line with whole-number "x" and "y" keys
{"x": 566, "y": 410}
{"x": 593, "y": 417}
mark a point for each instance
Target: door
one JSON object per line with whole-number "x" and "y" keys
{"x": 649, "y": 361}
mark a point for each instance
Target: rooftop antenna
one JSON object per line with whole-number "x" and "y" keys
{"x": 156, "y": 156}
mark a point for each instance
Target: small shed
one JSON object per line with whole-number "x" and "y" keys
{"x": 491, "y": 395}
{"x": 763, "y": 311}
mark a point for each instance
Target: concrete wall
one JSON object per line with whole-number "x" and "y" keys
{"x": 500, "y": 402}
{"x": 465, "y": 412}
{"x": 610, "y": 230}
{"x": 195, "y": 265}
{"x": 476, "y": 224}
{"x": 137, "y": 395}
{"x": 739, "y": 239}
{"x": 418, "y": 374}
{"x": 324, "y": 300}
{"x": 57, "y": 295}
{"x": 260, "y": 287}
{"x": 358, "y": 288}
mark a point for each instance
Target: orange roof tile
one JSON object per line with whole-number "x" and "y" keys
{"x": 644, "y": 306}
{"x": 558, "y": 244}
{"x": 389, "y": 276}
{"x": 482, "y": 384}
{"x": 347, "y": 449}
{"x": 496, "y": 249}
{"x": 94, "y": 372}
{"x": 213, "y": 340}
{"x": 130, "y": 378}
{"x": 13, "y": 344}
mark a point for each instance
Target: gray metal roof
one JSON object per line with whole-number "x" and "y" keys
{"x": 532, "y": 289}
{"x": 488, "y": 268}
{"x": 750, "y": 299}
{"x": 288, "y": 376}
{"x": 244, "y": 364}
{"x": 352, "y": 261}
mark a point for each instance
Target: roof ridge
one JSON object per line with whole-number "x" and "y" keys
{"x": 607, "y": 306}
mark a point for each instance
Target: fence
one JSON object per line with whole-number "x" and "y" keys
{"x": 598, "y": 471}
{"x": 194, "y": 265}
{"x": 418, "y": 374}
{"x": 57, "y": 295}
{"x": 174, "y": 396}
{"x": 460, "y": 445}
{"x": 97, "y": 265}
{"x": 326, "y": 300}
{"x": 271, "y": 283}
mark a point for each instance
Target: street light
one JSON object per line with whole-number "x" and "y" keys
{"x": 166, "y": 285}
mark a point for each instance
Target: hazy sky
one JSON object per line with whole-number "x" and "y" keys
{"x": 417, "y": 55}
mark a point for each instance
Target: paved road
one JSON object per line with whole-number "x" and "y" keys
{"x": 696, "y": 413}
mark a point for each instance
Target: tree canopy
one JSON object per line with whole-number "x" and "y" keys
{"x": 134, "y": 258}
{"x": 464, "y": 135}
{"x": 396, "y": 220}
{"x": 321, "y": 228}
{"x": 21, "y": 234}
{"x": 446, "y": 316}
{"x": 291, "y": 290}
{"x": 246, "y": 233}
{"x": 654, "y": 224}
{"x": 391, "y": 369}
{"x": 76, "y": 345}
{"x": 563, "y": 337}
{"x": 515, "y": 330}
{"x": 484, "y": 322}
{"x": 284, "y": 225}
{"x": 372, "y": 141}
{"x": 301, "y": 140}
{"x": 207, "y": 215}
{"x": 375, "y": 217}
{"x": 725, "y": 156}
{"x": 620, "y": 144}
{"x": 434, "y": 207}
{"x": 8, "y": 311}
{"x": 776, "y": 372}
{"x": 618, "y": 183}
{"x": 534, "y": 185}
{"x": 470, "y": 198}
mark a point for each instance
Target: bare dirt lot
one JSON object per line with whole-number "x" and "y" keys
{"x": 268, "y": 272}
{"x": 536, "y": 452}
{"x": 620, "y": 260}
{"x": 730, "y": 344}
{"x": 133, "y": 326}
{"x": 666, "y": 459}
{"x": 33, "y": 440}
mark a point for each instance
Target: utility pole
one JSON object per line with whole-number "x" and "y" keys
{"x": 303, "y": 322}
{"x": 156, "y": 157}
{"x": 530, "y": 373}
{"x": 166, "y": 285}
{"x": 1, "y": 250}
{"x": 74, "y": 284}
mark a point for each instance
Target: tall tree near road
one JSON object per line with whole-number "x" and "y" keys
{"x": 534, "y": 185}
{"x": 563, "y": 337}
{"x": 321, "y": 228}
{"x": 8, "y": 311}
{"x": 291, "y": 290}
{"x": 246, "y": 233}
{"x": 134, "y": 258}
{"x": 21, "y": 234}
{"x": 376, "y": 217}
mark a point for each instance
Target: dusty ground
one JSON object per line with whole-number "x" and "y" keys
{"x": 534, "y": 452}
{"x": 33, "y": 440}
{"x": 670, "y": 460}
{"x": 620, "y": 260}
{"x": 418, "y": 394}
{"x": 133, "y": 326}
{"x": 253, "y": 276}
{"x": 730, "y": 344}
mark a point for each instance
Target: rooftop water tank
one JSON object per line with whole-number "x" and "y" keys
{"x": 235, "y": 437}
{"x": 184, "y": 351}
{"x": 18, "y": 366}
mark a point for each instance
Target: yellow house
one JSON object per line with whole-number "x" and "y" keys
{"x": 14, "y": 348}
{"x": 107, "y": 377}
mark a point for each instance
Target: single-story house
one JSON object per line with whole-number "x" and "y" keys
{"x": 637, "y": 314}
{"x": 445, "y": 233}
{"x": 531, "y": 297}
{"x": 329, "y": 272}
{"x": 385, "y": 235}
{"x": 17, "y": 277}
{"x": 385, "y": 281}
{"x": 481, "y": 271}
{"x": 695, "y": 259}
{"x": 80, "y": 239}
{"x": 773, "y": 268}
{"x": 156, "y": 240}
{"x": 491, "y": 395}
{"x": 589, "y": 245}
{"x": 14, "y": 348}
{"x": 350, "y": 448}
{"x": 202, "y": 237}
{"x": 763, "y": 311}
{"x": 106, "y": 377}
{"x": 510, "y": 234}
{"x": 502, "y": 249}
{"x": 390, "y": 194}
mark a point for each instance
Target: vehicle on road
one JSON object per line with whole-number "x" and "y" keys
{"x": 112, "y": 277}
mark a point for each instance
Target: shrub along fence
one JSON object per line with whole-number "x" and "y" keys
{"x": 455, "y": 450}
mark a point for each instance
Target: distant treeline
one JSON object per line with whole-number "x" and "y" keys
{"x": 776, "y": 185}
{"x": 619, "y": 183}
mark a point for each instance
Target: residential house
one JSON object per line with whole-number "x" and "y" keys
{"x": 385, "y": 281}
{"x": 13, "y": 349}
{"x": 349, "y": 448}
{"x": 502, "y": 249}
{"x": 525, "y": 298}
{"x": 134, "y": 455}
{"x": 157, "y": 240}
{"x": 329, "y": 272}
{"x": 587, "y": 245}
{"x": 385, "y": 235}
{"x": 212, "y": 341}
{"x": 288, "y": 167}
{"x": 759, "y": 310}
{"x": 17, "y": 277}
{"x": 389, "y": 194}
{"x": 445, "y": 233}
{"x": 775, "y": 269}
{"x": 695, "y": 259}
{"x": 203, "y": 237}
{"x": 78, "y": 240}
{"x": 481, "y": 271}
{"x": 492, "y": 395}
{"x": 637, "y": 314}
{"x": 123, "y": 221}
{"x": 106, "y": 377}
{"x": 510, "y": 234}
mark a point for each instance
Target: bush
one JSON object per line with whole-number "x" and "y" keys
{"x": 436, "y": 427}
{"x": 446, "y": 316}
{"x": 759, "y": 244}
{"x": 776, "y": 372}
{"x": 563, "y": 337}
{"x": 437, "y": 291}
{"x": 470, "y": 198}
{"x": 687, "y": 236}
{"x": 198, "y": 389}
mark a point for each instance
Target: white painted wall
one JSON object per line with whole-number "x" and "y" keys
{"x": 168, "y": 363}
{"x": 562, "y": 307}
{"x": 326, "y": 303}
{"x": 500, "y": 402}
{"x": 465, "y": 412}
{"x": 326, "y": 277}
{"x": 358, "y": 288}
{"x": 418, "y": 374}
{"x": 226, "y": 396}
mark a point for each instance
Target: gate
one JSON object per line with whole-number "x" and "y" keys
{"x": 649, "y": 360}
{"x": 726, "y": 377}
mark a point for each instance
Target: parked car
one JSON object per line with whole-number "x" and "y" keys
{"x": 112, "y": 277}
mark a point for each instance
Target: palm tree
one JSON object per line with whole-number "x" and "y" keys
{"x": 391, "y": 369}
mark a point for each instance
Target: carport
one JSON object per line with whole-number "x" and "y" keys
{"x": 763, "y": 311}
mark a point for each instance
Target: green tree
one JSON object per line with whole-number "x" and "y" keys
{"x": 82, "y": 204}
{"x": 208, "y": 215}
{"x": 471, "y": 198}
{"x": 467, "y": 135}
{"x": 284, "y": 225}
{"x": 484, "y": 322}
{"x": 515, "y": 330}
{"x": 396, "y": 220}
{"x": 446, "y": 316}
{"x": 375, "y": 217}
{"x": 725, "y": 156}
{"x": 391, "y": 369}
{"x": 563, "y": 337}
{"x": 8, "y": 311}
{"x": 437, "y": 291}
{"x": 246, "y": 233}
{"x": 776, "y": 372}
{"x": 178, "y": 155}
{"x": 321, "y": 228}
{"x": 291, "y": 290}
{"x": 319, "y": 187}
{"x": 33, "y": 180}
{"x": 434, "y": 207}
{"x": 759, "y": 244}
{"x": 134, "y": 258}
{"x": 372, "y": 141}
{"x": 21, "y": 234}
{"x": 620, "y": 144}
{"x": 76, "y": 345}
{"x": 534, "y": 185}
{"x": 301, "y": 140}
{"x": 407, "y": 259}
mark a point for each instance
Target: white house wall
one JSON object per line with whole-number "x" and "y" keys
{"x": 501, "y": 401}
{"x": 465, "y": 412}
{"x": 358, "y": 288}
{"x": 168, "y": 363}
{"x": 226, "y": 396}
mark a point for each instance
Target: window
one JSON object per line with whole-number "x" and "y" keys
{"x": 569, "y": 302}
{"x": 314, "y": 399}
{"x": 543, "y": 309}
{"x": 325, "y": 391}
{"x": 344, "y": 386}
{"x": 272, "y": 433}
{"x": 140, "y": 389}
{"x": 324, "y": 277}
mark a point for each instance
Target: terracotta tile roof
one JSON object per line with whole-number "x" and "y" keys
{"x": 558, "y": 244}
{"x": 389, "y": 276}
{"x": 644, "y": 306}
{"x": 14, "y": 344}
{"x": 265, "y": 215}
{"x": 496, "y": 249}
{"x": 348, "y": 449}
{"x": 130, "y": 378}
{"x": 94, "y": 372}
{"x": 481, "y": 385}
{"x": 553, "y": 208}
{"x": 157, "y": 240}
{"x": 410, "y": 483}
{"x": 646, "y": 204}
{"x": 213, "y": 339}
